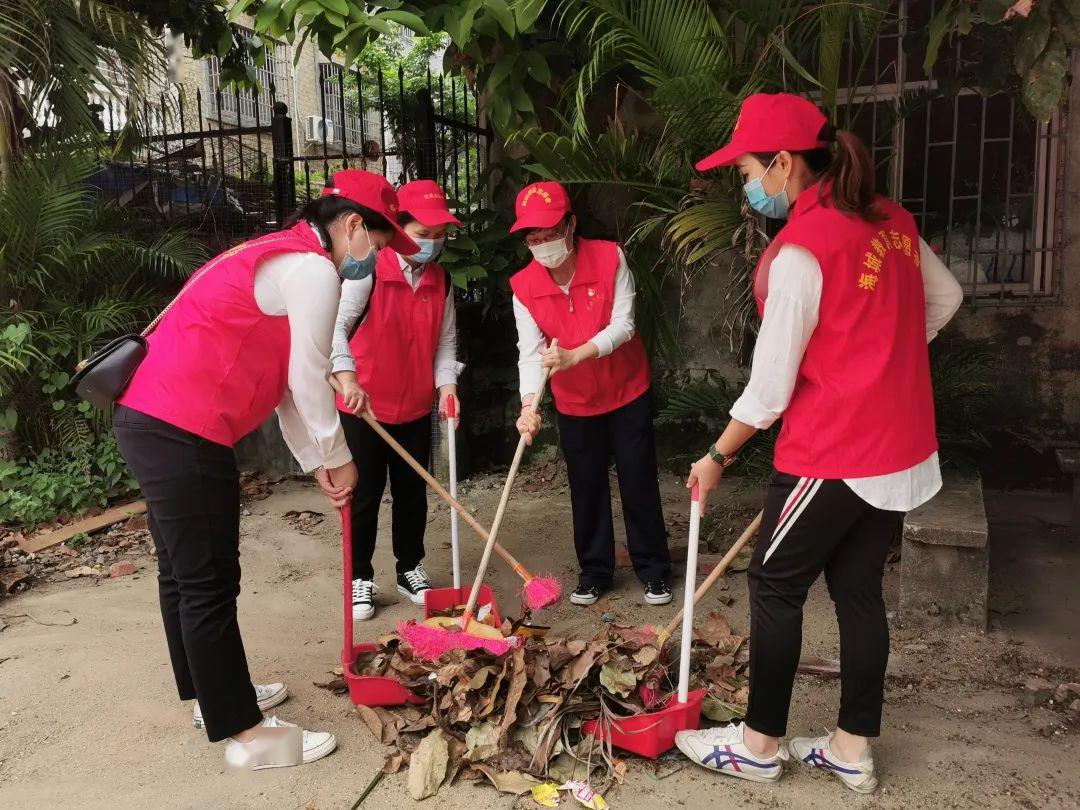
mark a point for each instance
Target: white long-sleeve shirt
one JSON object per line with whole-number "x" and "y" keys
{"x": 354, "y": 297}
{"x": 306, "y": 287}
{"x": 791, "y": 314}
{"x": 531, "y": 341}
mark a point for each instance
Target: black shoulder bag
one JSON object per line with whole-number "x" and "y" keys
{"x": 101, "y": 378}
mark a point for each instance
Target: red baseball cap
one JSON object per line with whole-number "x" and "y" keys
{"x": 373, "y": 192}
{"x": 770, "y": 122}
{"x": 540, "y": 205}
{"x": 427, "y": 203}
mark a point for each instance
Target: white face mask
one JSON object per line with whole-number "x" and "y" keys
{"x": 551, "y": 254}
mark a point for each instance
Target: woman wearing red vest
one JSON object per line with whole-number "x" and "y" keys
{"x": 581, "y": 292}
{"x": 250, "y": 333}
{"x": 849, "y": 297}
{"x": 402, "y": 351}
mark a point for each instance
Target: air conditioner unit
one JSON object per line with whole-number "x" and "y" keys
{"x": 318, "y": 129}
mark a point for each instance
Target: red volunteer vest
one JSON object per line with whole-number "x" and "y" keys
{"x": 596, "y": 386}
{"x": 217, "y": 365}
{"x": 863, "y": 402}
{"x": 395, "y": 346}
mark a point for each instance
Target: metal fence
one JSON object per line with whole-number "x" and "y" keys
{"x": 232, "y": 163}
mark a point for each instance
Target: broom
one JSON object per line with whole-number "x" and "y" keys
{"x": 538, "y": 592}
{"x": 718, "y": 571}
{"x": 436, "y": 636}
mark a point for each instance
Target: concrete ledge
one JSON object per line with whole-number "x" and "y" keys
{"x": 944, "y": 562}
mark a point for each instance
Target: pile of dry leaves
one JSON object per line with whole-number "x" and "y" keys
{"x": 516, "y": 720}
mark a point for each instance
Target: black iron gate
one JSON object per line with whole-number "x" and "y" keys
{"x": 231, "y": 164}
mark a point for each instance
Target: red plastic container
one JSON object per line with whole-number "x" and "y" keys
{"x": 365, "y": 690}
{"x": 652, "y": 733}
{"x": 439, "y": 599}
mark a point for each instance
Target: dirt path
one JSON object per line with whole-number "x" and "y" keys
{"x": 89, "y": 716}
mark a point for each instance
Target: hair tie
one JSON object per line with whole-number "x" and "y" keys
{"x": 827, "y": 133}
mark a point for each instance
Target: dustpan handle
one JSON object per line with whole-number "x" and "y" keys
{"x": 688, "y": 595}
{"x": 451, "y": 446}
{"x": 345, "y": 514}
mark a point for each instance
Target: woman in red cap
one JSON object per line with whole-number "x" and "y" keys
{"x": 849, "y": 297}
{"x": 250, "y": 333}
{"x": 395, "y": 345}
{"x": 581, "y": 292}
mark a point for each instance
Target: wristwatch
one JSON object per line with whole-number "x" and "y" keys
{"x": 720, "y": 458}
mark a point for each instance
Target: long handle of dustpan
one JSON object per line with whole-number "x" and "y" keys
{"x": 345, "y": 514}
{"x": 714, "y": 575}
{"x": 451, "y": 445}
{"x": 688, "y": 595}
{"x": 466, "y": 617}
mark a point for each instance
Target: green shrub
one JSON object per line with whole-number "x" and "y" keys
{"x": 55, "y": 482}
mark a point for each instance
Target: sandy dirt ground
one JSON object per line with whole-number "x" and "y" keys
{"x": 89, "y": 716}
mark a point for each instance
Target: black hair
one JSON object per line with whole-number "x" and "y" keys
{"x": 565, "y": 222}
{"x": 404, "y": 218}
{"x": 849, "y": 172}
{"x": 322, "y": 211}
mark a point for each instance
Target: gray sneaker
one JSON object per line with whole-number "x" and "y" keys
{"x": 815, "y": 752}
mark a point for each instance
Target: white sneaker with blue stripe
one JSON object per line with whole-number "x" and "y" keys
{"x": 815, "y": 752}
{"x": 721, "y": 749}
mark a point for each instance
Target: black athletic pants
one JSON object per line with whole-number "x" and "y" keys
{"x": 588, "y": 443}
{"x": 192, "y": 491}
{"x": 813, "y": 525}
{"x": 374, "y": 458}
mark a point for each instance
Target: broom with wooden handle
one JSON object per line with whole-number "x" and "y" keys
{"x": 434, "y": 637}
{"x": 717, "y": 572}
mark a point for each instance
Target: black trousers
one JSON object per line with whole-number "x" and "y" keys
{"x": 814, "y": 525}
{"x": 192, "y": 491}
{"x": 588, "y": 442}
{"x": 374, "y": 459}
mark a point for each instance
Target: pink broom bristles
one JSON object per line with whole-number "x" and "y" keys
{"x": 541, "y": 592}
{"x": 431, "y": 643}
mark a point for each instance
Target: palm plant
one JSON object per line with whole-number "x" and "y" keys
{"x": 57, "y": 55}
{"x": 74, "y": 271}
{"x": 692, "y": 62}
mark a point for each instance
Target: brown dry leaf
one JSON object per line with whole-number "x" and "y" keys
{"x": 482, "y": 742}
{"x": 336, "y": 685}
{"x": 427, "y": 766}
{"x": 594, "y": 653}
{"x": 382, "y": 723}
{"x": 618, "y": 770}
{"x": 395, "y": 762}
{"x": 479, "y": 678}
{"x": 646, "y": 656}
{"x": 451, "y": 672}
{"x": 576, "y": 647}
{"x": 568, "y": 768}
{"x": 515, "y": 782}
{"x": 633, "y": 638}
{"x": 518, "y": 678}
{"x": 488, "y": 702}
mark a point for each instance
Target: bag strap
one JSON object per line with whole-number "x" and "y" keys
{"x": 202, "y": 271}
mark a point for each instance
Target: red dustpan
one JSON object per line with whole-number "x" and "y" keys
{"x": 365, "y": 690}
{"x": 438, "y": 600}
{"x": 652, "y": 733}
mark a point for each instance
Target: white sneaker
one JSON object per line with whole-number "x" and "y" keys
{"x": 363, "y": 599}
{"x": 281, "y": 746}
{"x": 815, "y": 752}
{"x": 413, "y": 584}
{"x": 721, "y": 749}
{"x": 268, "y": 696}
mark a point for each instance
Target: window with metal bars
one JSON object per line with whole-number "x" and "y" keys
{"x": 247, "y": 107}
{"x": 345, "y": 117}
{"x": 981, "y": 175}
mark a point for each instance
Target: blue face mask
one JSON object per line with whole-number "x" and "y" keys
{"x": 355, "y": 269}
{"x": 774, "y": 206}
{"x": 429, "y": 250}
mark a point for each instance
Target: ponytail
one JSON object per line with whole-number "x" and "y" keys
{"x": 846, "y": 175}
{"x": 850, "y": 178}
